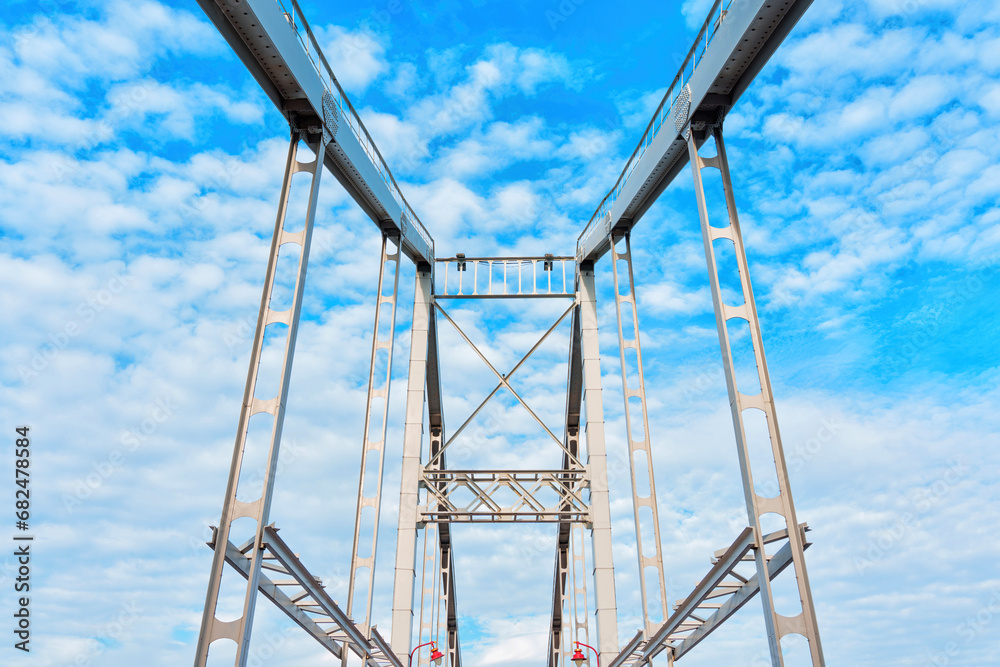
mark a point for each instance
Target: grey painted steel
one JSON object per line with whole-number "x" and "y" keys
{"x": 237, "y": 559}
{"x": 448, "y": 605}
{"x": 275, "y": 43}
{"x": 579, "y": 625}
{"x": 382, "y": 648}
{"x": 430, "y": 598}
{"x": 637, "y": 447}
{"x": 559, "y": 636}
{"x": 734, "y": 43}
{"x": 631, "y": 651}
{"x": 406, "y": 540}
{"x": 239, "y": 630}
{"x": 597, "y": 461}
{"x": 423, "y": 389}
{"x": 435, "y": 417}
{"x": 722, "y": 568}
{"x": 378, "y": 389}
{"x": 290, "y": 564}
{"x": 778, "y": 626}
{"x": 453, "y": 647}
{"x": 445, "y": 592}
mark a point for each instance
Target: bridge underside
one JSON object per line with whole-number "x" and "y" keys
{"x": 275, "y": 42}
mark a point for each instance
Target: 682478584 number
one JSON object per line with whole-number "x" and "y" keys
{"x": 22, "y": 478}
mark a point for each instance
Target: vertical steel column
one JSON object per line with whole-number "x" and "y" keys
{"x": 580, "y": 629}
{"x": 637, "y": 448}
{"x": 406, "y": 541}
{"x": 560, "y": 643}
{"x": 259, "y": 510}
{"x": 597, "y": 461}
{"x": 378, "y": 389}
{"x": 803, "y": 623}
{"x": 429, "y": 591}
{"x": 560, "y": 628}
{"x": 444, "y": 597}
{"x": 453, "y": 646}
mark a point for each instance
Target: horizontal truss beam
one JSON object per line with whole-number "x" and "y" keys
{"x": 523, "y": 486}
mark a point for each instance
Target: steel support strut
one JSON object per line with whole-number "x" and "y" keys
{"x": 374, "y": 435}
{"x": 597, "y": 461}
{"x": 212, "y": 628}
{"x": 640, "y": 454}
{"x": 406, "y": 541}
{"x": 778, "y": 626}
{"x": 430, "y": 597}
{"x": 578, "y": 623}
{"x": 560, "y": 630}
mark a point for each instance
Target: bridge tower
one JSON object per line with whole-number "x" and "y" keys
{"x": 275, "y": 42}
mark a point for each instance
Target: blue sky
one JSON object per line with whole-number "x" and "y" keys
{"x": 139, "y": 174}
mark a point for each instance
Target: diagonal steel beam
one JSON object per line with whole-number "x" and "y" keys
{"x": 239, "y": 561}
{"x": 778, "y": 562}
{"x": 298, "y": 607}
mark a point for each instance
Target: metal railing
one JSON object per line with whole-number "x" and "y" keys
{"x": 716, "y": 15}
{"x": 500, "y": 277}
{"x": 297, "y": 20}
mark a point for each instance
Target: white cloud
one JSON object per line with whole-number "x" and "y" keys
{"x": 502, "y": 70}
{"x": 121, "y": 44}
{"x": 405, "y": 82}
{"x": 695, "y": 12}
{"x": 636, "y": 111}
{"x": 356, "y": 57}
{"x": 990, "y": 100}
{"x": 499, "y": 145}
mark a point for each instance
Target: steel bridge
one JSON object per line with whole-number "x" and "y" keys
{"x": 274, "y": 41}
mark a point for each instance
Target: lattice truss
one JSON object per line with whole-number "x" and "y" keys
{"x": 274, "y": 41}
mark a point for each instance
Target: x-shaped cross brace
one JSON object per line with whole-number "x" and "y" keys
{"x": 504, "y": 383}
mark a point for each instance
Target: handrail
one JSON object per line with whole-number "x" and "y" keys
{"x": 708, "y": 29}
{"x": 332, "y": 86}
{"x": 517, "y": 277}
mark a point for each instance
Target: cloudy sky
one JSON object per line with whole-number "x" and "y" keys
{"x": 139, "y": 174}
